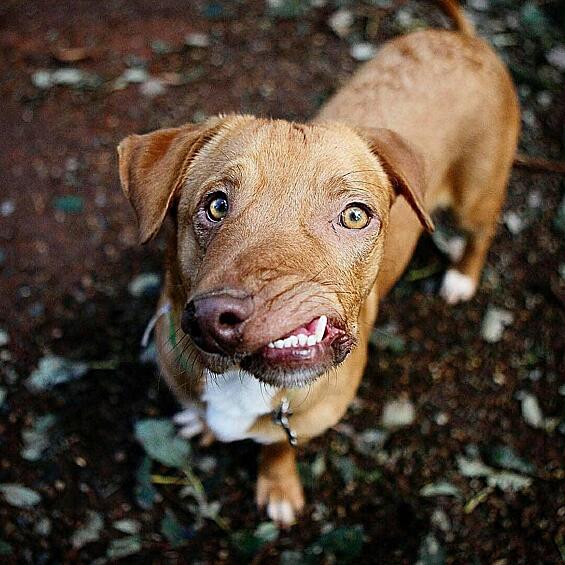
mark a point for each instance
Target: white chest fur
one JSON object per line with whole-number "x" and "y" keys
{"x": 234, "y": 400}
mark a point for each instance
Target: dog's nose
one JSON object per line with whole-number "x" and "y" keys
{"x": 215, "y": 323}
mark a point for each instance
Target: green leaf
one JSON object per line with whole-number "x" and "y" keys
{"x": 90, "y": 532}
{"x": 123, "y": 547}
{"x": 344, "y": 544}
{"x": 70, "y": 204}
{"x": 171, "y": 528}
{"x": 534, "y": 19}
{"x": 158, "y": 438}
{"x": 53, "y": 370}
{"x": 36, "y": 439}
{"x": 145, "y": 492}
{"x": 126, "y": 526}
{"x": 431, "y": 552}
{"x": 5, "y": 548}
{"x": 248, "y": 543}
{"x": 19, "y": 496}
{"x": 505, "y": 457}
{"x": 441, "y": 488}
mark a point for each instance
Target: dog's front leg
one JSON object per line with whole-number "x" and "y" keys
{"x": 278, "y": 484}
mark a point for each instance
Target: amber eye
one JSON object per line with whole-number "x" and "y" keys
{"x": 355, "y": 217}
{"x": 217, "y": 208}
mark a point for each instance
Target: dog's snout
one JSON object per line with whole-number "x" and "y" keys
{"x": 215, "y": 322}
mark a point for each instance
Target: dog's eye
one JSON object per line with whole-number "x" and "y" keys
{"x": 217, "y": 208}
{"x": 355, "y": 217}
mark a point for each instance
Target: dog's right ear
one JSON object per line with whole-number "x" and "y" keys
{"x": 153, "y": 167}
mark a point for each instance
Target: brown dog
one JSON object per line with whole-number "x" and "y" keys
{"x": 287, "y": 236}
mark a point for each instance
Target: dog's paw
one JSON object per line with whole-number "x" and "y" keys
{"x": 457, "y": 287}
{"x": 284, "y": 500}
{"x": 190, "y": 421}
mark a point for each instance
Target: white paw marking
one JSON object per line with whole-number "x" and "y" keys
{"x": 191, "y": 421}
{"x": 457, "y": 287}
{"x": 455, "y": 248}
{"x": 281, "y": 512}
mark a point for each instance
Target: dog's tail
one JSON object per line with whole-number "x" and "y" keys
{"x": 455, "y": 12}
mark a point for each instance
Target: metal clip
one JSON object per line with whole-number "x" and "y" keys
{"x": 281, "y": 418}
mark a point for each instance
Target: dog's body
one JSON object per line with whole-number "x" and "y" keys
{"x": 433, "y": 117}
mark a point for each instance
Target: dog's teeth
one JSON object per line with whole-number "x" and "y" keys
{"x": 287, "y": 342}
{"x": 279, "y": 344}
{"x": 293, "y": 341}
{"x": 311, "y": 340}
{"x": 321, "y": 328}
{"x": 271, "y": 345}
{"x": 302, "y": 339}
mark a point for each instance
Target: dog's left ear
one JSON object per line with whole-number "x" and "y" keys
{"x": 404, "y": 166}
{"x": 153, "y": 166}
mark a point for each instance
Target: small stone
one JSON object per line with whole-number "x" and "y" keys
{"x": 441, "y": 418}
{"x": 363, "y": 51}
{"x": 531, "y": 410}
{"x": 146, "y": 284}
{"x": 534, "y": 199}
{"x": 161, "y": 47}
{"x": 42, "y": 79}
{"x": 152, "y": 87}
{"x": 135, "y": 75}
{"x": 556, "y": 57}
{"x": 196, "y": 39}
{"x": 4, "y": 338}
{"x": 341, "y": 21}
{"x": 494, "y": 322}
{"x": 398, "y": 413}
{"x": 68, "y": 77}
{"x": 441, "y": 520}
{"x": 43, "y": 527}
{"x": 7, "y": 208}
{"x": 514, "y": 222}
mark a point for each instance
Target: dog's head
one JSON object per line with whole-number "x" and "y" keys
{"x": 280, "y": 232}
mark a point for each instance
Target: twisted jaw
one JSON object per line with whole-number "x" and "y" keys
{"x": 295, "y": 359}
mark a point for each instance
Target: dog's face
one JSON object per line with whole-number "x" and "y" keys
{"x": 279, "y": 235}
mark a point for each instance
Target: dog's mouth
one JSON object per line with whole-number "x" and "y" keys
{"x": 300, "y": 356}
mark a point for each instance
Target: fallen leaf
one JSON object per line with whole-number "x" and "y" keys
{"x": 494, "y": 322}
{"x": 127, "y": 526}
{"x": 90, "y": 532}
{"x": 176, "y": 534}
{"x": 36, "y": 438}
{"x": 53, "y": 370}
{"x": 398, "y": 413}
{"x": 506, "y": 458}
{"x": 145, "y": 284}
{"x": 70, "y": 54}
{"x": 531, "y": 410}
{"x": 249, "y": 543}
{"x": 431, "y": 552}
{"x": 441, "y": 488}
{"x": 158, "y": 438}
{"x": 123, "y": 547}
{"x": 19, "y": 496}
{"x": 342, "y": 544}
{"x": 145, "y": 492}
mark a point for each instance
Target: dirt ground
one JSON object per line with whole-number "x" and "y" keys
{"x": 68, "y": 254}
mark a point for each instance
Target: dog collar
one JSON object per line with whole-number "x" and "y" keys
{"x": 281, "y": 417}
